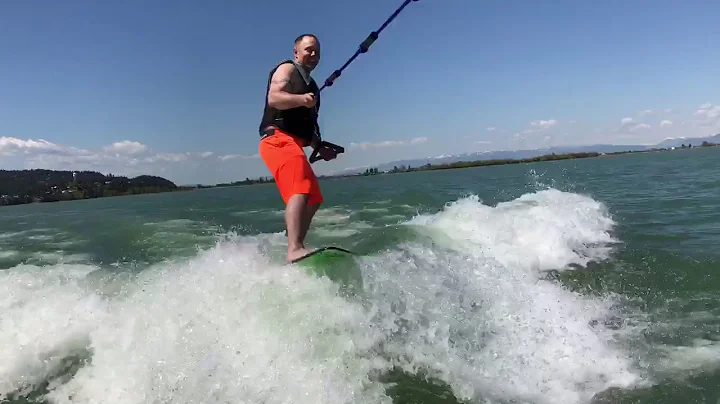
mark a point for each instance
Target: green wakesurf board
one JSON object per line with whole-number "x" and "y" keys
{"x": 338, "y": 264}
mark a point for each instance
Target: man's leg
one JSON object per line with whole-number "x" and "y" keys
{"x": 296, "y": 217}
{"x": 297, "y": 184}
{"x": 298, "y": 207}
{"x": 310, "y": 211}
{"x": 314, "y": 201}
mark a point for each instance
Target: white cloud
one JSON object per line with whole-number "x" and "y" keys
{"x": 9, "y": 146}
{"x": 640, "y": 126}
{"x": 126, "y": 147}
{"x": 649, "y": 112}
{"x": 388, "y": 143}
{"x": 167, "y": 157}
{"x": 538, "y": 127}
{"x": 125, "y": 157}
{"x": 650, "y": 127}
{"x": 709, "y": 114}
{"x": 545, "y": 124}
{"x": 491, "y": 129}
{"x": 126, "y": 151}
{"x": 227, "y": 157}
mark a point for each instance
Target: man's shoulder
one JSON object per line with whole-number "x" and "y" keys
{"x": 285, "y": 64}
{"x": 283, "y": 69}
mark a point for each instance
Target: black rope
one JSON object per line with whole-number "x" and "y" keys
{"x": 364, "y": 46}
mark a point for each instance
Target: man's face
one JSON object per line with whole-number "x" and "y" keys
{"x": 307, "y": 52}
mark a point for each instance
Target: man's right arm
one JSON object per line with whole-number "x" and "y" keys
{"x": 278, "y": 95}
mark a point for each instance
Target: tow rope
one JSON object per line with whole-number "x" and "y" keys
{"x": 363, "y": 48}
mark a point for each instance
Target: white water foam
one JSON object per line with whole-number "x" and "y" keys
{"x": 13, "y": 234}
{"x": 395, "y": 219}
{"x": 225, "y": 326}
{"x": 331, "y": 216}
{"x": 545, "y": 230}
{"x": 56, "y": 257}
{"x": 686, "y": 361}
{"x": 256, "y": 212}
{"x": 465, "y": 303}
{"x": 375, "y": 210}
{"x": 469, "y": 305}
{"x": 341, "y": 230}
{"x": 47, "y": 314}
{"x": 8, "y": 254}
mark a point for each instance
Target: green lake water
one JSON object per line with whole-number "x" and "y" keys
{"x": 581, "y": 281}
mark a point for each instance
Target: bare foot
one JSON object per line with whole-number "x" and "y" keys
{"x": 297, "y": 253}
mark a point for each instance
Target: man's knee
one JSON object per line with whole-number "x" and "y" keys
{"x": 299, "y": 196}
{"x": 312, "y": 209}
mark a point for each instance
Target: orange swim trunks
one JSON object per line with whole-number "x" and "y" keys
{"x": 284, "y": 156}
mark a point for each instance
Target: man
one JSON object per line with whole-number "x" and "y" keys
{"x": 289, "y": 123}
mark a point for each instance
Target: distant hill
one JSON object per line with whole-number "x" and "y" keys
{"x": 500, "y": 155}
{"x": 28, "y": 186}
{"x": 695, "y": 141}
{"x": 530, "y": 153}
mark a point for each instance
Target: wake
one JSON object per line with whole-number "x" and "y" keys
{"x": 464, "y": 302}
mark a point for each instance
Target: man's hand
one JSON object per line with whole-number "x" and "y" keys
{"x": 308, "y": 100}
{"x": 327, "y": 153}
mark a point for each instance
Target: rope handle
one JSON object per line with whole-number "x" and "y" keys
{"x": 315, "y": 157}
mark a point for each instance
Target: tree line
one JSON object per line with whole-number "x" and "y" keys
{"x": 478, "y": 163}
{"x": 38, "y": 185}
{"x": 247, "y": 181}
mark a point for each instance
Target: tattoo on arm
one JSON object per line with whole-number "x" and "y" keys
{"x": 282, "y": 88}
{"x": 281, "y": 80}
{"x": 282, "y": 83}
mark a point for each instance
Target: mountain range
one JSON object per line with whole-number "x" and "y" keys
{"x": 520, "y": 154}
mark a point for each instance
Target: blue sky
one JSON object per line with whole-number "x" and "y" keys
{"x": 176, "y": 88}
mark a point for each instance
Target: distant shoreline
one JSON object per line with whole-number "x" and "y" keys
{"x": 23, "y": 187}
{"x": 467, "y": 164}
{"x": 101, "y": 186}
{"x": 496, "y": 162}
